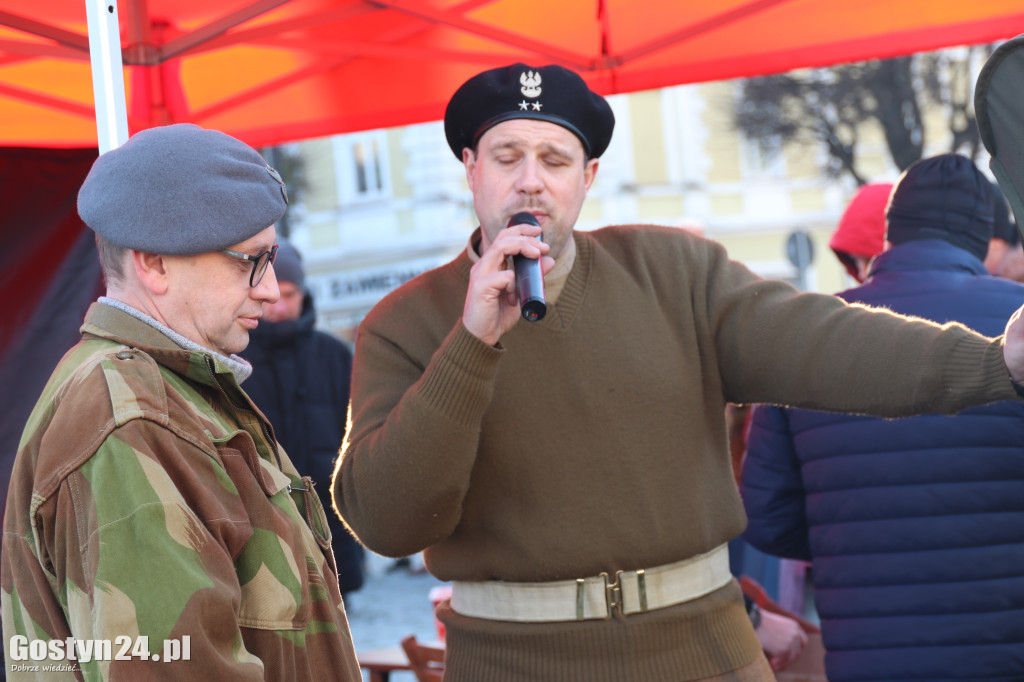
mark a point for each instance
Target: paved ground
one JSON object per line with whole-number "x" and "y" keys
{"x": 390, "y": 606}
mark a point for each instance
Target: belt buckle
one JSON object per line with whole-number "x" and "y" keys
{"x": 612, "y": 593}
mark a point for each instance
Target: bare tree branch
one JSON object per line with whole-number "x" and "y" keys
{"x": 829, "y": 106}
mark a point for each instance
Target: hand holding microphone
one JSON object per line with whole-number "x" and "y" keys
{"x": 529, "y": 278}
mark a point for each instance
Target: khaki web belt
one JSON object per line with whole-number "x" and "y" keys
{"x": 596, "y": 597}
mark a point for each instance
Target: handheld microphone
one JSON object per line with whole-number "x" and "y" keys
{"x": 529, "y": 280}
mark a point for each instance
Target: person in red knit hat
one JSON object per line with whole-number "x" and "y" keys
{"x": 860, "y": 235}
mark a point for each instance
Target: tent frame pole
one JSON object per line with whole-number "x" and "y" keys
{"x": 107, "y": 74}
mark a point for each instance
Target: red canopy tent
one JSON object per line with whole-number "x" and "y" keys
{"x": 269, "y": 71}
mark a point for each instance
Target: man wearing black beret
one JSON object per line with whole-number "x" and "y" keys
{"x": 150, "y": 506}
{"x": 571, "y": 476}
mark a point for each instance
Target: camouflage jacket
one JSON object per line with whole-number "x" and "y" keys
{"x": 152, "y": 517}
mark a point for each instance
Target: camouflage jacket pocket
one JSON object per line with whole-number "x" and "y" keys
{"x": 306, "y": 499}
{"x": 277, "y": 570}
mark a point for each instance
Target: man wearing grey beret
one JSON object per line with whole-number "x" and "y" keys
{"x": 150, "y": 503}
{"x": 571, "y": 475}
{"x": 300, "y": 381}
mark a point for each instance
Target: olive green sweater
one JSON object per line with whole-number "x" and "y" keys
{"x": 595, "y": 440}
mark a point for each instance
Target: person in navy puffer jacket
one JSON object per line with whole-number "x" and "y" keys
{"x": 915, "y": 526}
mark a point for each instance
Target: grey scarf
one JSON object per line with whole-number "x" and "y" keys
{"x": 238, "y": 365}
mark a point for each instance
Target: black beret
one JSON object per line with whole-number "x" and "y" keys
{"x": 547, "y": 93}
{"x": 181, "y": 190}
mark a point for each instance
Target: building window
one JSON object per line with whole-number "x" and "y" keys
{"x": 762, "y": 157}
{"x": 361, "y": 163}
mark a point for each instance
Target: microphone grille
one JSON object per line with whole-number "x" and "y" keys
{"x": 522, "y": 218}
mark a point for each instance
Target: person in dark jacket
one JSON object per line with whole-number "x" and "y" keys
{"x": 300, "y": 381}
{"x": 915, "y": 526}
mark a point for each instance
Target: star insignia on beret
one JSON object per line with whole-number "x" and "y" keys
{"x": 524, "y": 105}
{"x": 537, "y": 106}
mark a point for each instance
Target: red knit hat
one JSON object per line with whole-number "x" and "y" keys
{"x": 861, "y": 230}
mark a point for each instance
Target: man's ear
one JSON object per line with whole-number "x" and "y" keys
{"x": 469, "y": 161}
{"x": 590, "y": 172}
{"x": 151, "y": 269}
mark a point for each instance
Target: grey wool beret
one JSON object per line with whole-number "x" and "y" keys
{"x": 181, "y": 190}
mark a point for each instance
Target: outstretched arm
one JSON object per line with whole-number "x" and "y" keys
{"x": 1013, "y": 347}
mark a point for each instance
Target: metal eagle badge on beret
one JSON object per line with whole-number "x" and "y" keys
{"x": 277, "y": 176}
{"x": 531, "y": 88}
{"x": 512, "y": 92}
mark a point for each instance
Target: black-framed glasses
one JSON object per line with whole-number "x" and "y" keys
{"x": 260, "y": 262}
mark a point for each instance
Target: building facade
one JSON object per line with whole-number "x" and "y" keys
{"x": 385, "y": 205}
